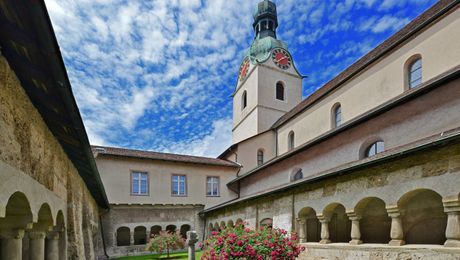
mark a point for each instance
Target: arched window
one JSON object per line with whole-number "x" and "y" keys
{"x": 375, "y": 148}
{"x": 244, "y": 100}
{"x": 279, "y": 91}
{"x": 291, "y": 140}
{"x": 260, "y": 157}
{"x": 336, "y": 115}
{"x": 298, "y": 174}
{"x": 414, "y": 71}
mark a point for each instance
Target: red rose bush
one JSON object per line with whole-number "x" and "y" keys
{"x": 243, "y": 243}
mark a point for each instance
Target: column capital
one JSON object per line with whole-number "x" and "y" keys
{"x": 451, "y": 205}
{"x": 53, "y": 235}
{"x": 393, "y": 211}
{"x": 36, "y": 234}
{"x": 301, "y": 220}
{"x": 352, "y": 215}
{"x": 322, "y": 218}
{"x": 12, "y": 233}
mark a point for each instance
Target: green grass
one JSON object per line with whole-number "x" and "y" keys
{"x": 160, "y": 256}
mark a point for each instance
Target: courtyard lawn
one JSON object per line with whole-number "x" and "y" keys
{"x": 160, "y": 256}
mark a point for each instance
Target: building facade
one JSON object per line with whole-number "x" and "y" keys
{"x": 366, "y": 167}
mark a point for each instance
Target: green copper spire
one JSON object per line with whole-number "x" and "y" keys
{"x": 265, "y": 24}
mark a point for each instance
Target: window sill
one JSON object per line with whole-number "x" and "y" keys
{"x": 175, "y": 195}
{"x": 142, "y": 195}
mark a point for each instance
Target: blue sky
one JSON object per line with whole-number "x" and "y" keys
{"x": 158, "y": 75}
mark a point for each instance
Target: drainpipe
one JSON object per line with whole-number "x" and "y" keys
{"x": 102, "y": 232}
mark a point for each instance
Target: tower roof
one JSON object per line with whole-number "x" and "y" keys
{"x": 265, "y": 24}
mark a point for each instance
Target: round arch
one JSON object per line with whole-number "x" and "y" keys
{"x": 339, "y": 224}
{"x": 123, "y": 236}
{"x": 312, "y": 224}
{"x": 140, "y": 235}
{"x": 375, "y": 224}
{"x": 423, "y": 217}
{"x": 230, "y": 223}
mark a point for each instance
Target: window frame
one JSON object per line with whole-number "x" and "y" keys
{"x": 244, "y": 100}
{"x": 296, "y": 173}
{"x": 370, "y": 146}
{"x": 131, "y": 182}
{"x": 281, "y": 84}
{"x": 178, "y": 183}
{"x": 291, "y": 141}
{"x": 260, "y": 157}
{"x": 218, "y": 186}
{"x": 410, "y": 62}
{"x": 336, "y": 107}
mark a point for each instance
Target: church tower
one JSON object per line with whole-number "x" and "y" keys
{"x": 268, "y": 85}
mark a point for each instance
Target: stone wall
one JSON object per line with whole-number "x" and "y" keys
{"x": 130, "y": 217}
{"x": 411, "y": 195}
{"x": 28, "y": 146}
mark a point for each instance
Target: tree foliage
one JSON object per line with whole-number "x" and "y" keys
{"x": 165, "y": 242}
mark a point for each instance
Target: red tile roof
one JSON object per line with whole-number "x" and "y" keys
{"x": 122, "y": 152}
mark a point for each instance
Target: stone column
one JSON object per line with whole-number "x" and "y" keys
{"x": 131, "y": 238}
{"x": 192, "y": 238}
{"x": 52, "y": 246}
{"x": 396, "y": 233}
{"x": 452, "y": 208}
{"x": 324, "y": 229}
{"x": 11, "y": 244}
{"x": 302, "y": 229}
{"x": 355, "y": 230}
{"x": 37, "y": 245}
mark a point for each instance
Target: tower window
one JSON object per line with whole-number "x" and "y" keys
{"x": 270, "y": 25}
{"x": 415, "y": 72}
{"x": 336, "y": 115}
{"x": 279, "y": 91}
{"x": 291, "y": 141}
{"x": 260, "y": 157}
{"x": 244, "y": 100}
{"x": 264, "y": 25}
{"x": 375, "y": 148}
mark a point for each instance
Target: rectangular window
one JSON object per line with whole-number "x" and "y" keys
{"x": 212, "y": 186}
{"x": 179, "y": 185}
{"x": 139, "y": 183}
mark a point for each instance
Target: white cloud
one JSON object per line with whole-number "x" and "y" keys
{"x": 387, "y": 22}
{"x": 210, "y": 145}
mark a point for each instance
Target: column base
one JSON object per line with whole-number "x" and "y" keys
{"x": 355, "y": 242}
{"x": 303, "y": 240}
{"x": 397, "y": 242}
{"x": 452, "y": 243}
{"x": 325, "y": 241}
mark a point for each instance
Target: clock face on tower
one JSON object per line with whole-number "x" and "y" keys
{"x": 282, "y": 58}
{"x": 244, "y": 69}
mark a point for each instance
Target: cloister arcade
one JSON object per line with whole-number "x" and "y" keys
{"x": 128, "y": 236}
{"x": 29, "y": 231}
{"x": 421, "y": 216}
